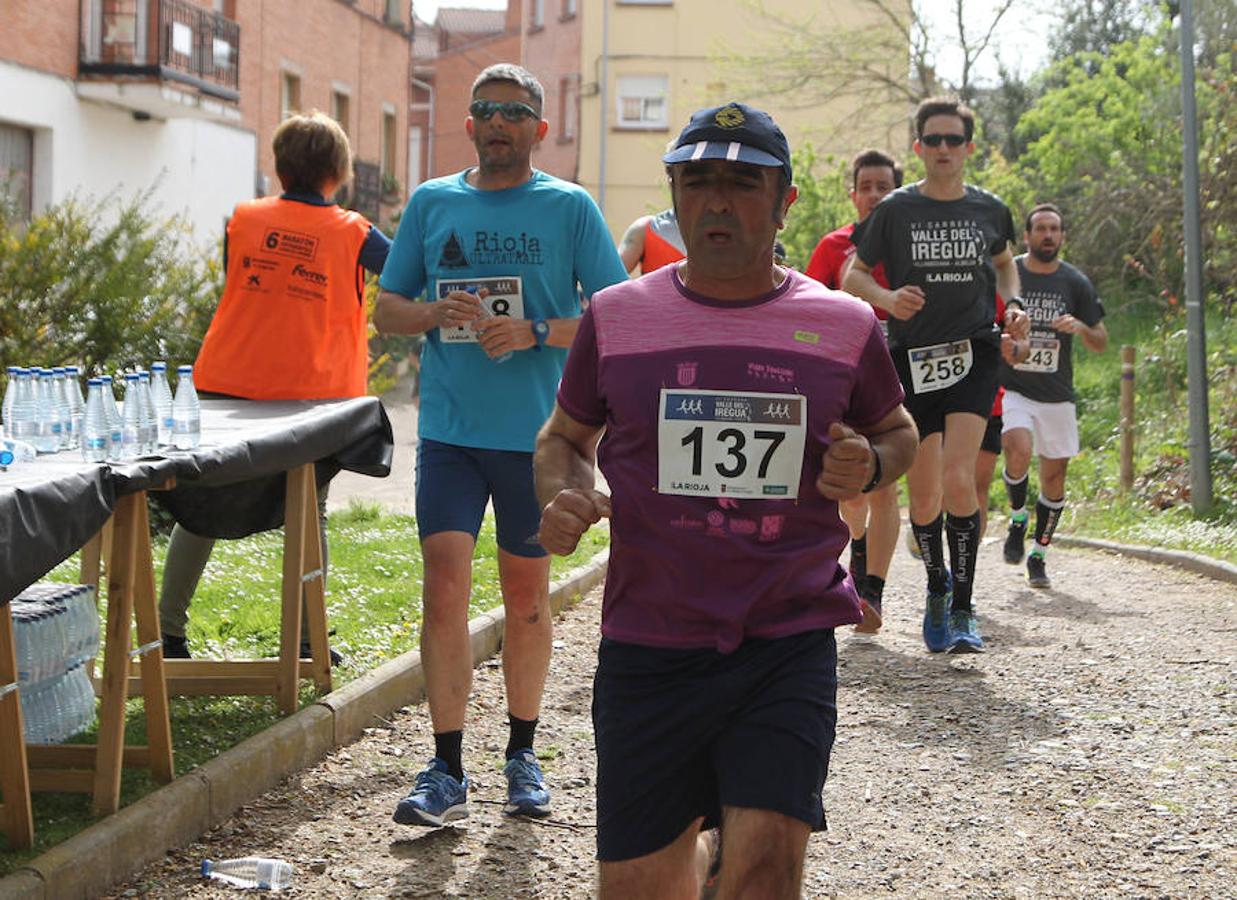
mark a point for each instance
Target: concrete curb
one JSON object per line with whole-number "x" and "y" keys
{"x": 1182, "y": 559}
{"x": 93, "y": 860}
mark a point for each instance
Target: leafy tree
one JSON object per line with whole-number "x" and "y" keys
{"x": 1106, "y": 145}
{"x": 881, "y": 66}
{"x": 103, "y": 283}
{"x": 823, "y": 204}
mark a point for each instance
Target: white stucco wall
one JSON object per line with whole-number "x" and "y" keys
{"x": 85, "y": 147}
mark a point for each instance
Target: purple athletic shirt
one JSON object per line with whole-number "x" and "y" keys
{"x": 700, "y": 572}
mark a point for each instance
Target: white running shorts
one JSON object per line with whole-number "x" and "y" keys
{"x": 1053, "y": 426}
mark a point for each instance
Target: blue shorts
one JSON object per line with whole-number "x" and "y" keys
{"x": 682, "y": 733}
{"x": 455, "y": 483}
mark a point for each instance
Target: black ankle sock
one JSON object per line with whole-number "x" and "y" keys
{"x": 859, "y": 556}
{"x": 522, "y": 733}
{"x": 873, "y": 588}
{"x": 449, "y": 747}
{"x": 963, "y": 532}
{"x": 928, "y": 537}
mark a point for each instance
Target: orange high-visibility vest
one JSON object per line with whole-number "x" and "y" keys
{"x": 663, "y": 244}
{"x": 291, "y": 324}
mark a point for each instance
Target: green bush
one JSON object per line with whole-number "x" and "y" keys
{"x": 103, "y": 284}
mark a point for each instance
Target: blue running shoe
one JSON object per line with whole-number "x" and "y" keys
{"x": 435, "y": 799}
{"x": 936, "y": 634}
{"x": 526, "y": 790}
{"x": 965, "y": 632}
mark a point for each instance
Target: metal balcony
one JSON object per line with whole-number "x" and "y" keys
{"x": 166, "y": 58}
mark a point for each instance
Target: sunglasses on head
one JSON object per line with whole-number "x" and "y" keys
{"x": 934, "y": 140}
{"x": 511, "y": 110}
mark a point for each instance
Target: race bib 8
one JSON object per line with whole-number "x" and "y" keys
{"x": 939, "y": 366}
{"x": 505, "y": 298}
{"x": 730, "y": 444}
{"x": 1045, "y": 354}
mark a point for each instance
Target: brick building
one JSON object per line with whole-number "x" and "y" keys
{"x": 542, "y": 35}
{"x": 183, "y": 95}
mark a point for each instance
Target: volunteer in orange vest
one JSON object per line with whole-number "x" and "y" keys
{"x": 652, "y": 242}
{"x": 291, "y": 324}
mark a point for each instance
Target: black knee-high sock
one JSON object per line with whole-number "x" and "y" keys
{"x": 928, "y": 537}
{"x": 449, "y": 747}
{"x": 522, "y": 733}
{"x": 872, "y": 588}
{"x": 963, "y": 534}
{"x": 859, "y": 557}
{"x": 1016, "y": 491}
{"x": 1047, "y": 514}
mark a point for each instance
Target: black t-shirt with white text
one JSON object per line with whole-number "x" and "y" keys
{"x": 1048, "y": 375}
{"x": 946, "y": 248}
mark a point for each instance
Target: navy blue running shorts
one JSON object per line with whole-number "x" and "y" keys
{"x": 973, "y": 394}
{"x": 455, "y": 483}
{"x": 992, "y": 436}
{"x": 682, "y": 733}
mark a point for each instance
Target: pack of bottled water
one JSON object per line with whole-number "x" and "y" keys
{"x": 44, "y": 412}
{"x": 56, "y": 633}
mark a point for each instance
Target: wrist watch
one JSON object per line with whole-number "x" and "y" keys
{"x": 1014, "y": 303}
{"x": 541, "y": 333}
{"x": 876, "y": 474}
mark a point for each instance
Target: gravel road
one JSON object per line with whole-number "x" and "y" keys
{"x": 1089, "y": 752}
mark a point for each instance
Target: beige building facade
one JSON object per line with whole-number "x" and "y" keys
{"x": 647, "y": 64}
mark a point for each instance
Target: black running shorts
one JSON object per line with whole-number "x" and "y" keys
{"x": 975, "y": 393}
{"x": 682, "y": 733}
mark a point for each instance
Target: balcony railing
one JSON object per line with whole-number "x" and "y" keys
{"x": 165, "y": 39}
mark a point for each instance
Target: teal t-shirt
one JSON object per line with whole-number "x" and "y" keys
{"x": 533, "y": 245}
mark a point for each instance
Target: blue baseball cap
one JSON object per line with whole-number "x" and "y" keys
{"x": 737, "y": 132}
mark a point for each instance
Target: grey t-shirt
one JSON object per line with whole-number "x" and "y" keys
{"x": 1048, "y": 376}
{"x": 945, "y": 247}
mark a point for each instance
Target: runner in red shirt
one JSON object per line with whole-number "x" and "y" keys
{"x": 873, "y": 175}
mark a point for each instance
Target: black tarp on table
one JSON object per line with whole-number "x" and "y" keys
{"x": 231, "y": 486}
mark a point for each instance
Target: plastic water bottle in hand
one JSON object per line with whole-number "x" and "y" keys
{"x": 486, "y": 313}
{"x": 250, "y": 872}
{"x": 186, "y": 411}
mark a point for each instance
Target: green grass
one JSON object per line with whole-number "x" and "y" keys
{"x": 373, "y": 605}
{"x": 1157, "y": 511}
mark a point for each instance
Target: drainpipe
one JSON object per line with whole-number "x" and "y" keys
{"x": 604, "y": 96}
{"x": 428, "y": 87}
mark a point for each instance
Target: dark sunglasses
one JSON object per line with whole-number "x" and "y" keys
{"x": 512, "y": 110}
{"x": 934, "y": 140}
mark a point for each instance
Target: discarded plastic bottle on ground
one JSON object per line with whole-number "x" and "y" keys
{"x": 186, "y": 411}
{"x": 250, "y": 872}
{"x": 162, "y": 394}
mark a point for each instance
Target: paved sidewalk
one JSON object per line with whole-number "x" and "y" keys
{"x": 394, "y": 492}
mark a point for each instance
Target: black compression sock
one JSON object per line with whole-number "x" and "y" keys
{"x": 873, "y": 588}
{"x": 449, "y": 747}
{"x": 928, "y": 537}
{"x": 523, "y": 731}
{"x": 963, "y": 531}
{"x": 859, "y": 557}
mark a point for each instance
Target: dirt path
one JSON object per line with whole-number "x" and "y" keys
{"x": 1090, "y": 752}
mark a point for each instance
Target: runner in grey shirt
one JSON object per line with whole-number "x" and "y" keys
{"x": 1039, "y": 393}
